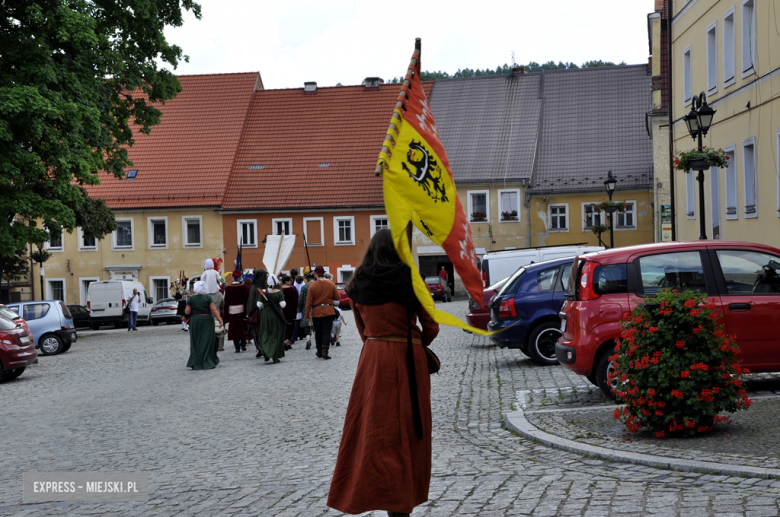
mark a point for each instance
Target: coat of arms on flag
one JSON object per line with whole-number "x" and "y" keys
{"x": 419, "y": 188}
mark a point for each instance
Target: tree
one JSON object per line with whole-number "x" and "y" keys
{"x": 71, "y": 75}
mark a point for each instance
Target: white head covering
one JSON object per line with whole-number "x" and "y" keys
{"x": 199, "y": 287}
{"x": 209, "y": 264}
{"x": 272, "y": 281}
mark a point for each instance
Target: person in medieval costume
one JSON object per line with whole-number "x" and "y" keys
{"x": 384, "y": 461}
{"x": 212, "y": 279}
{"x": 271, "y": 323}
{"x": 259, "y": 282}
{"x": 202, "y": 312}
{"x": 290, "y": 310}
{"x": 304, "y": 329}
{"x": 235, "y": 311}
{"x": 320, "y": 300}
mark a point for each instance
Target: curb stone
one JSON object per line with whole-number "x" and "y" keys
{"x": 517, "y": 422}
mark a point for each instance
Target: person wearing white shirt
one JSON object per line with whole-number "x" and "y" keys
{"x": 132, "y": 305}
{"x": 211, "y": 278}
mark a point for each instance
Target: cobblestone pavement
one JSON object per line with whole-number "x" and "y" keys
{"x": 254, "y": 438}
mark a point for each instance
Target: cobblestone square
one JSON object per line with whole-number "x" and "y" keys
{"x": 255, "y": 438}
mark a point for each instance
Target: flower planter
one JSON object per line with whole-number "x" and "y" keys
{"x": 509, "y": 218}
{"x": 699, "y": 164}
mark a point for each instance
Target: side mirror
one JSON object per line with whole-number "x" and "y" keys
{"x": 150, "y": 300}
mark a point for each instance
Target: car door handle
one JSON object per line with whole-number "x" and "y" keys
{"x": 739, "y": 306}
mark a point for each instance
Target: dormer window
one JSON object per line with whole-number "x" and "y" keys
{"x": 325, "y": 164}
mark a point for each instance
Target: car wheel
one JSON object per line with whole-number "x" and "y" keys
{"x": 603, "y": 368}
{"x": 541, "y": 344}
{"x": 155, "y": 323}
{"x": 51, "y": 345}
{"x": 11, "y": 374}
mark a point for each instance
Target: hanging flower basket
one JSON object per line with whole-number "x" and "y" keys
{"x": 598, "y": 229}
{"x": 509, "y": 216}
{"x": 676, "y": 368}
{"x": 478, "y": 216}
{"x": 699, "y": 160}
{"x": 40, "y": 256}
{"x": 611, "y": 206}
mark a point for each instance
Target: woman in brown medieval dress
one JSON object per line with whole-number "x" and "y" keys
{"x": 384, "y": 461}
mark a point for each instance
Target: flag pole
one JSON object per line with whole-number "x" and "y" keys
{"x": 306, "y": 247}
{"x": 400, "y": 104}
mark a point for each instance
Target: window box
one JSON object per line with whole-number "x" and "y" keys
{"x": 509, "y": 216}
{"x": 478, "y": 216}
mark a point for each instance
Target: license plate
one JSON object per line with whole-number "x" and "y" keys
{"x": 563, "y": 326}
{"x": 25, "y": 340}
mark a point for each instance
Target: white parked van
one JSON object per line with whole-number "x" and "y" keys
{"x": 500, "y": 264}
{"x": 106, "y": 301}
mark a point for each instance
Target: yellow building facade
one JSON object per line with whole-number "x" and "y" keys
{"x": 730, "y": 50}
{"x": 150, "y": 246}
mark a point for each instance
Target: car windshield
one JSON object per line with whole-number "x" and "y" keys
{"x": 432, "y": 280}
{"x": 511, "y": 285}
{"x": 8, "y": 313}
{"x": 497, "y": 285}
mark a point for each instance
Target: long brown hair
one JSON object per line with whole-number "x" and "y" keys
{"x": 380, "y": 253}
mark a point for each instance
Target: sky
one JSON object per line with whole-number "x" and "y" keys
{"x": 344, "y": 41}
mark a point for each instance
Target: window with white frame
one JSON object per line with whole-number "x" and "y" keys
{"x": 731, "y": 184}
{"x": 86, "y": 243}
{"x": 712, "y": 58}
{"x": 55, "y": 289}
{"x": 123, "y": 235}
{"x": 690, "y": 195}
{"x": 159, "y": 286}
{"x": 56, "y": 243}
{"x": 379, "y": 222}
{"x": 478, "y": 205}
{"x": 282, "y": 226}
{"x": 247, "y": 232}
{"x": 687, "y": 79}
{"x": 626, "y": 218}
{"x": 749, "y": 168}
{"x": 509, "y": 205}
{"x": 591, "y": 216}
{"x": 748, "y": 37}
{"x": 157, "y": 231}
{"x": 344, "y": 273}
{"x": 729, "y": 46}
{"x": 559, "y": 217}
{"x": 344, "y": 230}
{"x": 191, "y": 231}
{"x": 314, "y": 231}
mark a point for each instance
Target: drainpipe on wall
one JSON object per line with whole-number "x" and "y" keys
{"x": 669, "y": 16}
{"x": 525, "y": 182}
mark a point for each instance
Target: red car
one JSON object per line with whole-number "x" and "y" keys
{"x": 7, "y": 313}
{"x": 17, "y": 349}
{"x": 742, "y": 279}
{"x": 438, "y": 288}
{"x": 344, "y": 302}
{"x": 480, "y": 316}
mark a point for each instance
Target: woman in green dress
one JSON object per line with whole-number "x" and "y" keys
{"x": 259, "y": 281}
{"x": 201, "y": 313}
{"x": 271, "y": 329}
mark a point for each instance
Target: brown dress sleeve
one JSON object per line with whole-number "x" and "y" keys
{"x": 430, "y": 329}
{"x": 358, "y": 320}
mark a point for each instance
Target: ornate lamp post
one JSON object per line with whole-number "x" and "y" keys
{"x": 609, "y": 186}
{"x": 699, "y": 120}
{"x": 40, "y": 257}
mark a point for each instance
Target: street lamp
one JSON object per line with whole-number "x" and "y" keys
{"x": 698, "y": 121}
{"x": 609, "y": 186}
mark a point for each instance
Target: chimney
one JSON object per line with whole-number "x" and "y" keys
{"x": 520, "y": 70}
{"x": 310, "y": 87}
{"x": 373, "y": 83}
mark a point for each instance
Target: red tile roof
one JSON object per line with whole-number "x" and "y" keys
{"x": 186, "y": 160}
{"x": 289, "y": 134}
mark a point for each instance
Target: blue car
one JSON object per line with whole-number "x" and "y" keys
{"x": 526, "y": 309}
{"x": 50, "y": 322}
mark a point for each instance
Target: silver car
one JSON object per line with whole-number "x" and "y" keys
{"x": 50, "y": 323}
{"x": 164, "y": 311}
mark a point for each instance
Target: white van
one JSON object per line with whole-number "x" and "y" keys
{"x": 106, "y": 301}
{"x": 500, "y": 264}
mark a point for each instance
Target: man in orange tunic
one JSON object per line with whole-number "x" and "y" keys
{"x": 320, "y": 300}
